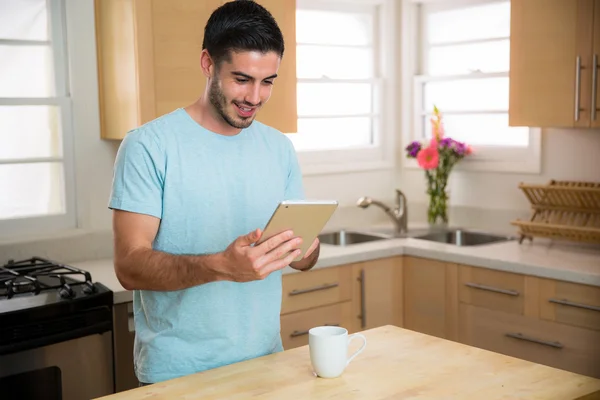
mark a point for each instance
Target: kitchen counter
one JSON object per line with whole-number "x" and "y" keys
{"x": 396, "y": 363}
{"x": 542, "y": 258}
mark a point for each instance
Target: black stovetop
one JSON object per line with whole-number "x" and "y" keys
{"x": 36, "y": 275}
{"x": 44, "y": 301}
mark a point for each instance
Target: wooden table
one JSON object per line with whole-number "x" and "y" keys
{"x": 396, "y": 364}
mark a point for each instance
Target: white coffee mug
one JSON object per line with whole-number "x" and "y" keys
{"x": 328, "y": 346}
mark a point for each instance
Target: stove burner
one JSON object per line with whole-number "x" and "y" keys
{"x": 35, "y": 275}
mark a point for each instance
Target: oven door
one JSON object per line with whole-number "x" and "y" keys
{"x": 76, "y": 369}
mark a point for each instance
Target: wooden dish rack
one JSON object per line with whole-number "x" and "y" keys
{"x": 568, "y": 210}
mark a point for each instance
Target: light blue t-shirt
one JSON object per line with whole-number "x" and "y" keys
{"x": 207, "y": 189}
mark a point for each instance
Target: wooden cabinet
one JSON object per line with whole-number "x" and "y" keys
{"x": 355, "y": 296}
{"x": 149, "y": 61}
{"x": 124, "y": 338}
{"x": 554, "y": 52}
{"x": 541, "y": 320}
{"x": 377, "y": 293}
{"x": 314, "y": 298}
{"x": 429, "y": 297}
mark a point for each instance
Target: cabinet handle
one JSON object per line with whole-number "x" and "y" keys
{"x": 520, "y": 336}
{"x": 577, "y": 84}
{"x": 492, "y": 289}
{"x": 363, "y": 306}
{"x": 573, "y": 304}
{"x": 302, "y": 333}
{"x": 313, "y": 289}
{"x": 594, "y": 85}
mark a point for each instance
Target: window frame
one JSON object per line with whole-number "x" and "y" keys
{"x": 379, "y": 155}
{"x": 485, "y": 158}
{"x": 40, "y": 225}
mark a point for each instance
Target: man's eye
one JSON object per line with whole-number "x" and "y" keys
{"x": 241, "y": 80}
{"x": 269, "y": 82}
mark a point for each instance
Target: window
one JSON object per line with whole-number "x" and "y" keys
{"x": 464, "y": 61}
{"x": 340, "y": 81}
{"x": 35, "y": 141}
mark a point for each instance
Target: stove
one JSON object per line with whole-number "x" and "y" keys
{"x": 54, "y": 319}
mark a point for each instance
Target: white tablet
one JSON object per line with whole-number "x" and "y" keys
{"x": 306, "y": 218}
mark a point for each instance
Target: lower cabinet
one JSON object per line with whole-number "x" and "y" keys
{"x": 355, "y": 296}
{"x": 123, "y": 336}
{"x": 545, "y": 321}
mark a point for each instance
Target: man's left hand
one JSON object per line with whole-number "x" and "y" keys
{"x": 310, "y": 258}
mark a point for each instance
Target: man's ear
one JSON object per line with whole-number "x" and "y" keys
{"x": 207, "y": 64}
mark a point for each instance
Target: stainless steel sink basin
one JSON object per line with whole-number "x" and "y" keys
{"x": 461, "y": 237}
{"x": 345, "y": 237}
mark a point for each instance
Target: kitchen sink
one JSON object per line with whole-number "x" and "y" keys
{"x": 461, "y": 237}
{"x": 345, "y": 238}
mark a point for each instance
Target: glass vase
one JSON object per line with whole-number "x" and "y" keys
{"x": 437, "y": 211}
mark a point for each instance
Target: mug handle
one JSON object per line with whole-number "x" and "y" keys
{"x": 357, "y": 352}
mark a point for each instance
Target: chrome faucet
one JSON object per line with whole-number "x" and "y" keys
{"x": 399, "y": 214}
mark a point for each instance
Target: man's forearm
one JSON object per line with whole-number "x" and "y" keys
{"x": 147, "y": 269}
{"x": 307, "y": 263}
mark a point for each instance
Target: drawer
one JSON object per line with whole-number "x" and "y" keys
{"x": 570, "y": 303}
{"x": 543, "y": 342}
{"x": 495, "y": 290}
{"x": 305, "y": 290}
{"x": 294, "y": 327}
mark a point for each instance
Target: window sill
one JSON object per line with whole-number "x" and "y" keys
{"x": 311, "y": 169}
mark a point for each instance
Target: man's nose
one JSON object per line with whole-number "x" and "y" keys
{"x": 253, "y": 95}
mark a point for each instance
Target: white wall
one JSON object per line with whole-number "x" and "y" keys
{"x": 567, "y": 154}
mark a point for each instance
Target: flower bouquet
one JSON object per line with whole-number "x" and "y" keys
{"x": 437, "y": 159}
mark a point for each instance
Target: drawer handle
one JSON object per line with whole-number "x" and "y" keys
{"x": 573, "y": 304}
{"x": 302, "y": 333}
{"x": 520, "y": 336}
{"x": 492, "y": 289}
{"x": 313, "y": 289}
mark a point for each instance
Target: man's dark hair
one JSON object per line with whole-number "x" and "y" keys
{"x": 241, "y": 25}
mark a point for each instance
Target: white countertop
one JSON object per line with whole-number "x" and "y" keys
{"x": 541, "y": 258}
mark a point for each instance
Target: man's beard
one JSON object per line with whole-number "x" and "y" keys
{"x": 219, "y": 102}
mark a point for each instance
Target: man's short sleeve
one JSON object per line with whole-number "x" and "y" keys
{"x": 294, "y": 189}
{"x": 138, "y": 176}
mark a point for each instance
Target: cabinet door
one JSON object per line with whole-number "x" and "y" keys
{"x": 377, "y": 293}
{"x": 550, "y": 60}
{"x": 430, "y": 297}
{"x": 595, "y": 98}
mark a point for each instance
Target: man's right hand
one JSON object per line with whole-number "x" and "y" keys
{"x": 244, "y": 262}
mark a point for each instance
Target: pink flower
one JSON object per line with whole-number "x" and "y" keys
{"x": 428, "y": 158}
{"x": 469, "y": 150}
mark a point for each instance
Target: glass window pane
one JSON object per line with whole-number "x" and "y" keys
{"x": 334, "y": 98}
{"x": 26, "y": 71}
{"x": 23, "y": 19}
{"x": 463, "y": 59}
{"x": 30, "y": 131}
{"x": 31, "y": 190}
{"x": 467, "y": 94}
{"x": 333, "y": 27}
{"x": 481, "y": 129}
{"x": 334, "y": 62}
{"x": 332, "y": 133}
{"x": 483, "y": 21}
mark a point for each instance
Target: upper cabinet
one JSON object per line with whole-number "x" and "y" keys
{"x": 149, "y": 61}
{"x": 555, "y": 45}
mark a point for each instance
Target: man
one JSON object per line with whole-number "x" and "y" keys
{"x": 191, "y": 191}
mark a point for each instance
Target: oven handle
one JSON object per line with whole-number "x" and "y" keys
{"x": 93, "y": 329}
